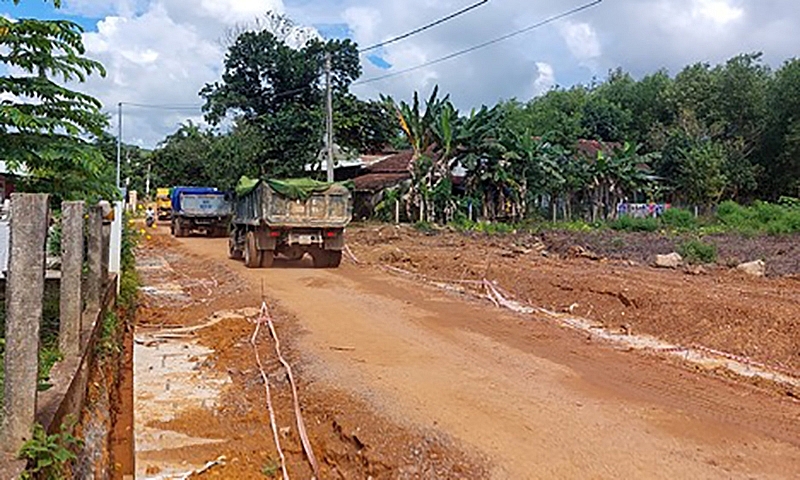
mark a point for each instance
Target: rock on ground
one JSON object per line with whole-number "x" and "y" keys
{"x": 673, "y": 260}
{"x": 757, "y": 268}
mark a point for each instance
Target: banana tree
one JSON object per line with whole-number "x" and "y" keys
{"x": 418, "y": 127}
{"x": 615, "y": 176}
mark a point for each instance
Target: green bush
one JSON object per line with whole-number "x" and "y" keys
{"x": 696, "y": 251}
{"x": 494, "y": 228}
{"x": 48, "y": 455}
{"x": 761, "y": 217}
{"x": 630, "y": 224}
{"x": 679, "y": 219}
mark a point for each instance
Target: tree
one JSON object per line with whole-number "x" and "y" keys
{"x": 779, "y": 156}
{"x": 418, "y": 127}
{"x": 45, "y": 128}
{"x": 363, "y": 126}
{"x": 277, "y": 90}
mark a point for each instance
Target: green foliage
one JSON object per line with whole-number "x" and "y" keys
{"x": 698, "y": 252}
{"x": 276, "y": 91}
{"x": 129, "y": 281}
{"x": 271, "y": 468}
{"x": 679, "y": 219}
{"x": 761, "y": 217}
{"x": 366, "y": 127}
{"x": 425, "y": 227}
{"x": 48, "y": 455}
{"x": 631, "y": 224}
{"x": 108, "y": 344}
{"x": 44, "y": 126}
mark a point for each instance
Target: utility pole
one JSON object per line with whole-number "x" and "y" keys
{"x": 147, "y": 183}
{"x": 119, "y": 141}
{"x": 329, "y": 119}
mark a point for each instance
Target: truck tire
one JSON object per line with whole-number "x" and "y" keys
{"x": 326, "y": 258}
{"x": 177, "y": 229}
{"x": 334, "y": 258}
{"x": 267, "y": 258}
{"x": 233, "y": 252}
{"x": 252, "y": 255}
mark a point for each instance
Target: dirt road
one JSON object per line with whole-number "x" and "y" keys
{"x": 526, "y": 398}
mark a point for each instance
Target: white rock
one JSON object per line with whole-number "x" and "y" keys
{"x": 756, "y": 269}
{"x": 673, "y": 260}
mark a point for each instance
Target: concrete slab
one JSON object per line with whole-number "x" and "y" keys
{"x": 169, "y": 380}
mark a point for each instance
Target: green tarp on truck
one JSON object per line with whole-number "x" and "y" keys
{"x": 293, "y": 188}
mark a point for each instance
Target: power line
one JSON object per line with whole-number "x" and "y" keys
{"x": 172, "y": 107}
{"x": 424, "y": 27}
{"x": 482, "y": 45}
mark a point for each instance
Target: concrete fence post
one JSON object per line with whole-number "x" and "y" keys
{"x": 115, "y": 248}
{"x": 24, "y": 295}
{"x": 94, "y": 254}
{"x": 71, "y": 302}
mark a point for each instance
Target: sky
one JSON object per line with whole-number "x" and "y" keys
{"x": 162, "y": 52}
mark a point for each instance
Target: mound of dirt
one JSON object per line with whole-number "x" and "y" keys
{"x": 613, "y": 285}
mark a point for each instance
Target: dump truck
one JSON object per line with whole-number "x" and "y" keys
{"x": 163, "y": 204}
{"x": 289, "y": 218}
{"x": 200, "y": 208}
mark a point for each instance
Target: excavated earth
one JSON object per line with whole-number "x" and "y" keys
{"x": 399, "y": 377}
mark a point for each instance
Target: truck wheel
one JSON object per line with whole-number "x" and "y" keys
{"x": 267, "y": 258}
{"x": 334, "y": 258}
{"x": 319, "y": 258}
{"x": 233, "y": 252}
{"x": 252, "y": 255}
{"x": 177, "y": 229}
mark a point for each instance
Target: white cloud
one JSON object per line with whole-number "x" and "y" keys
{"x": 363, "y": 21}
{"x": 163, "y": 56}
{"x": 164, "y": 51}
{"x": 720, "y": 12}
{"x": 545, "y": 79}
{"x": 581, "y": 40}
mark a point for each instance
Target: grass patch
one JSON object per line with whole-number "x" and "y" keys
{"x": 698, "y": 252}
{"x": 630, "y": 224}
{"x": 761, "y": 218}
{"x": 488, "y": 228}
{"x": 679, "y": 219}
{"x": 108, "y": 344}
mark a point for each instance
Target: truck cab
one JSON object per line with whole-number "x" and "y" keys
{"x": 163, "y": 204}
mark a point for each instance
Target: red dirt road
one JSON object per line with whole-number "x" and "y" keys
{"x": 535, "y": 400}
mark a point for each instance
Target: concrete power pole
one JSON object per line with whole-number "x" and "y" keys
{"x": 329, "y": 116}
{"x": 119, "y": 142}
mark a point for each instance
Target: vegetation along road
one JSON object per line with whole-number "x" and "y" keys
{"x": 401, "y": 379}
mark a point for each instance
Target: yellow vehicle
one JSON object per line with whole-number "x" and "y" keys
{"x": 163, "y": 204}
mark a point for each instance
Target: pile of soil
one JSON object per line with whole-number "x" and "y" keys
{"x": 781, "y": 253}
{"x": 715, "y": 307}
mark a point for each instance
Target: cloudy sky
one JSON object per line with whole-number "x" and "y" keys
{"x": 161, "y": 52}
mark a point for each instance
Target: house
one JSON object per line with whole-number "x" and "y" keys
{"x": 389, "y": 172}
{"x": 7, "y": 178}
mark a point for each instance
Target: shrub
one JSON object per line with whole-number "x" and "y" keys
{"x": 761, "y": 217}
{"x": 48, "y": 455}
{"x": 679, "y": 219}
{"x": 696, "y": 251}
{"x": 630, "y": 224}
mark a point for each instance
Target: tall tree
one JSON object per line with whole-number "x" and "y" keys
{"x": 277, "y": 90}
{"x": 46, "y": 128}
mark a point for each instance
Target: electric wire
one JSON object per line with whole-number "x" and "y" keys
{"x": 424, "y": 27}
{"x": 481, "y": 45}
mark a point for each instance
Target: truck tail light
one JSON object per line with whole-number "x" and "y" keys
{"x": 330, "y": 234}
{"x": 274, "y": 233}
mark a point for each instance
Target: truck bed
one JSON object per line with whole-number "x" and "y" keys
{"x": 331, "y": 208}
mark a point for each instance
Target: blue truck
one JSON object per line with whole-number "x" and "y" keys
{"x": 200, "y": 209}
